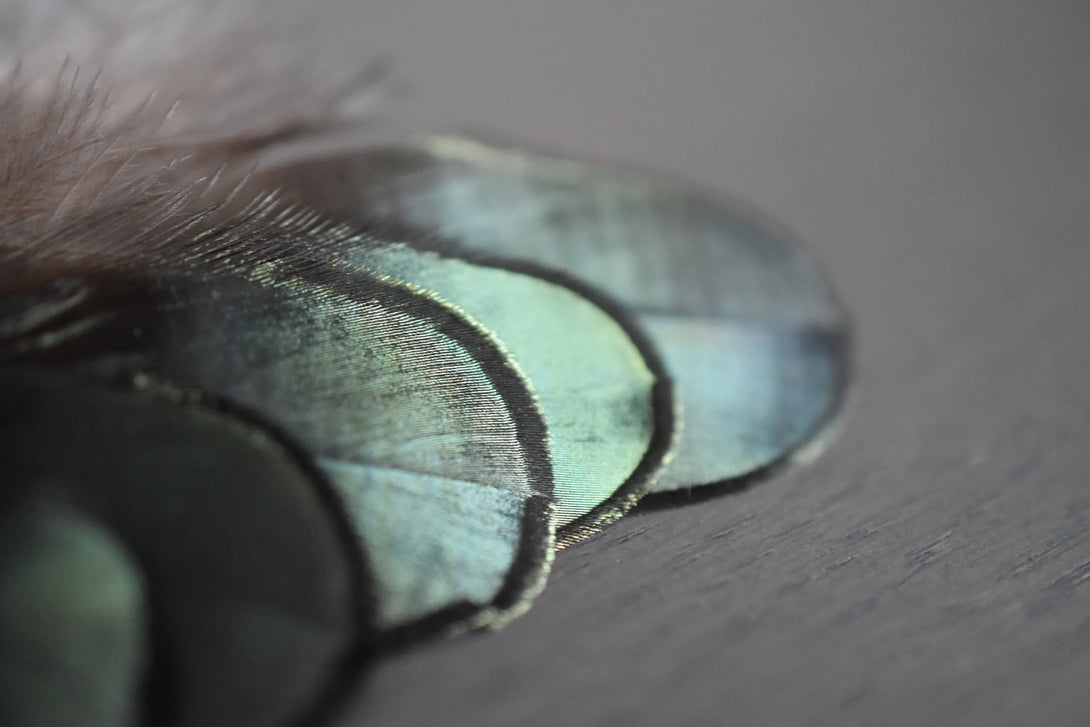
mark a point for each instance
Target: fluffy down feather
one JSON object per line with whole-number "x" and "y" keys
{"x": 127, "y": 134}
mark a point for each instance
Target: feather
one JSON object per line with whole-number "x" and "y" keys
{"x": 386, "y": 385}
{"x": 185, "y": 506}
{"x": 126, "y": 213}
{"x": 73, "y": 602}
{"x": 430, "y": 436}
{"x": 127, "y": 134}
{"x": 749, "y": 330}
{"x": 135, "y": 197}
{"x": 604, "y": 401}
{"x": 244, "y": 70}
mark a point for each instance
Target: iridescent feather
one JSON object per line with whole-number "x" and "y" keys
{"x": 603, "y": 398}
{"x": 749, "y": 329}
{"x": 410, "y": 371}
{"x": 229, "y": 590}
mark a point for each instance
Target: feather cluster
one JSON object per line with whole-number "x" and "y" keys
{"x": 395, "y": 379}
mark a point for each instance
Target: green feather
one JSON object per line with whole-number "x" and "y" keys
{"x": 748, "y": 328}
{"x": 429, "y": 435}
{"x": 598, "y": 397}
{"x": 252, "y": 582}
{"x": 73, "y": 623}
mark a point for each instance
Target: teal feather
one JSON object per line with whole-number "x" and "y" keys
{"x": 255, "y": 444}
{"x": 407, "y": 405}
{"x": 73, "y": 622}
{"x": 202, "y": 526}
{"x": 749, "y": 329}
{"x": 597, "y": 393}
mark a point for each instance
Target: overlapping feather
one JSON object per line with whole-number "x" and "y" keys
{"x": 481, "y": 353}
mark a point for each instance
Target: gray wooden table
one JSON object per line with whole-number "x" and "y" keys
{"x": 934, "y": 566}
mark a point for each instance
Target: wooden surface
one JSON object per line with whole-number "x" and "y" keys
{"x": 934, "y": 566}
